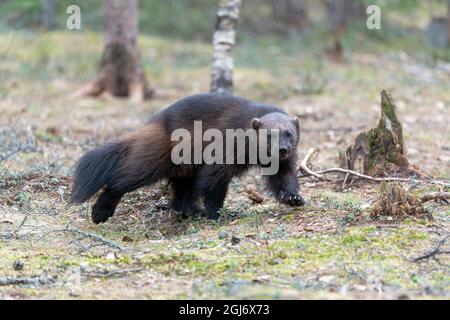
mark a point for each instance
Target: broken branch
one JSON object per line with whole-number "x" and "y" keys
{"x": 304, "y": 164}
{"x": 436, "y": 250}
{"x": 107, "y": 274}
{"x": 436, "y": 196}
{"x": 94, "y": 236}
{"x": 34, "y": 281}
{"x": 319, "y": 174}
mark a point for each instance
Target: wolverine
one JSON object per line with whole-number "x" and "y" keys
{"x": 143, "y": 157}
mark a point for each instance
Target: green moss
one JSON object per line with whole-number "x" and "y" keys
{"x": 348, "y": 202}
{"x": 353, "y": 239}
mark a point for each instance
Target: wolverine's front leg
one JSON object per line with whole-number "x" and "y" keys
{"x": 285, "y": 186}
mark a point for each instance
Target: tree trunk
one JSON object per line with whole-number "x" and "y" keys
{"x": 339, "y": 14}
{"x": 121, "y": 73}
{"x": 448, "y": 23}
{"x": 290, "y": 12}
{"x": 48, "y": 14}
{"x": 379, "y": 148}
{"x": 223, "y": 43}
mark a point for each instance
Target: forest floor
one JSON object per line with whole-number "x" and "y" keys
{"x": 329, "y": 249}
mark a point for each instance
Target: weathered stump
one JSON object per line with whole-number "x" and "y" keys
{"x": 380, "y": 149}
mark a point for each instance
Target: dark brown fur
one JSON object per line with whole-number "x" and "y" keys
{"x": 144, "y": 157}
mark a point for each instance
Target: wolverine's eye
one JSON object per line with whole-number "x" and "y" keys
{"x": 288, "y": 134}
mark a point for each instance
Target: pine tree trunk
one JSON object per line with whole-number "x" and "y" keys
{"x": 448, "y": 23}
{"x": 290, "y": 12}
{"x": 339, "y": 14}
{"x": 223, "y": 43}
{"x": 121, "y": 73}
{"x": 48, "y": 14}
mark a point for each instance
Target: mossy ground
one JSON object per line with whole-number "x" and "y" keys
{"x": 329, "y": 249}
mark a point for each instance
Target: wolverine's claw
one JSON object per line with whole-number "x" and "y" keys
{"x": 297, "y": 200}
{"x": 292, "y": 200}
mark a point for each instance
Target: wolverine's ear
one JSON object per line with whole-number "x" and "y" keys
{"x": 256, "y": 123}
{"x": 297, "y": 125}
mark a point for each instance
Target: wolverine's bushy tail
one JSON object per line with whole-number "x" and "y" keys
{"x": 94, "y": 170}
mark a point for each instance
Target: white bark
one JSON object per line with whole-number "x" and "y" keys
{"x": 223, "y": 43}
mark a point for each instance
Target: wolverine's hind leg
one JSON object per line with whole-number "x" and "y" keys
{"x": 106, "y": 203}
{"x": 213, "y": 183}
{"x": 184, "y": 196}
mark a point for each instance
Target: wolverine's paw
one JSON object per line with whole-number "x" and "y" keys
{"x": 212, "y": 215}
{"x": 100, "y": 215}
{"x": 190, "y": 212}
{"x": 295, "y": 200}
{"x": 197, "y": 211}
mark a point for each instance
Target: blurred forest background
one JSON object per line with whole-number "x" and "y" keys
{"x": 315, "y": 59}
{"x": 267, "y": 28}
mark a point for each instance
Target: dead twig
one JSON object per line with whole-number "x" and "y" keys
{"x": 304, "y": 164}
{"x": 434, "y": 251}
{"x": 34, "y": 281}
{"x": 436, "y": 196}
{"x": 16, "y": 232}
{"x": 81, "y": 235}
{"x": 93, "y": 236}
{"x": 345, "y": 180}
{"x": 11, "y": 142}
{"x": 319, "y": 174}
{"x": 363, "y": 176}
{"x": 107, "y": 274}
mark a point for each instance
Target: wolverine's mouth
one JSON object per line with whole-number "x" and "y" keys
{"x": 284, "y": 152}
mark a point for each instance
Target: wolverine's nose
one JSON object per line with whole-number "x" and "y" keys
{"x": 284, "y": 151}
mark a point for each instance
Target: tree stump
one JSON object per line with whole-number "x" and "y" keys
{"x": 380, "y": 149}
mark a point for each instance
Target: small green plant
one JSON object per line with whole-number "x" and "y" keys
{"x": 23, "y": 198}
{"x": 348, "y": 202}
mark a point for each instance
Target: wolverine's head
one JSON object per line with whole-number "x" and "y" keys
{"x": 288, "y": 129}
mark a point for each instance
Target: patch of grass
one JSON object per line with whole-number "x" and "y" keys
{"x": 347, "y": 202}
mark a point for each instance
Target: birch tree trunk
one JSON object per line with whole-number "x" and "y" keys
{"x": 121, "y": 73}
{"x": 48, "y": 14}
{"x": 223, "y": 43}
